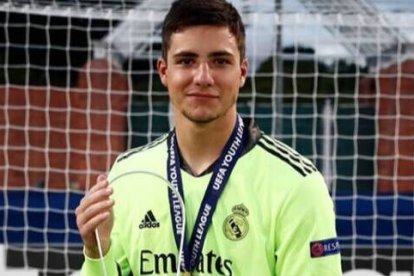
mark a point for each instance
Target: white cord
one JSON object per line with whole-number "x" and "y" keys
{"x": 174, "y": 190}
{"x": 98, "y": 241}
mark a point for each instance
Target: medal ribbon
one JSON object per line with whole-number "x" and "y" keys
{"x": 221, "y": 173}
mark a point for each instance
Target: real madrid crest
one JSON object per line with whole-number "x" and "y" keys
{"x": 236, "y": 226}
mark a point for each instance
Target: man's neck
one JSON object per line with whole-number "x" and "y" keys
{"x": 201, "y": 144}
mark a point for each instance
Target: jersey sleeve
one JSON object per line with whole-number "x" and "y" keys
{"x": 306, "y": 242}
{"x": 115, "y": 263}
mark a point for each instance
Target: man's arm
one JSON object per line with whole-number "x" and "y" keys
{"x": 306, "y": 242}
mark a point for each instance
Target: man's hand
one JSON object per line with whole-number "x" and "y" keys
{"x": 95, "y": 212}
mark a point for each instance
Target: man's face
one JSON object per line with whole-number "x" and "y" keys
{"x": 203, "y": 73}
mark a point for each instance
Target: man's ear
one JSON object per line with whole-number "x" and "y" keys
{"x": 244, "y": 68}
{"x": 162, "y": 71}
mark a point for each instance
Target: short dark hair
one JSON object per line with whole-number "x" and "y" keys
{"x": 187, "y": 13}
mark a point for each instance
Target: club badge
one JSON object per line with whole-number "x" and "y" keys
{"x": 236, "y": 226}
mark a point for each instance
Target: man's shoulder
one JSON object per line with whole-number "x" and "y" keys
{"x": 284, "y": 155}
{"x": 149, "y": 149}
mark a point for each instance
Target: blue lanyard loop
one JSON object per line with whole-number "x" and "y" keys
{"x": 221, "y": 173}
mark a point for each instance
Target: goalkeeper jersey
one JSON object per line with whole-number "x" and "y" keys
{"x": 274, "y": 216}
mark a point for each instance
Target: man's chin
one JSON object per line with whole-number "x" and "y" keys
{"x": 201, "y": 119}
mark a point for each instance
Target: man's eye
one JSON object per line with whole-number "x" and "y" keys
{"x": 185, "y": 61}
{"x": 221, "y": 61}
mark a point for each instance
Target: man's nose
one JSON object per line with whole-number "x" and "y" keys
{"x": 203, "y": 75}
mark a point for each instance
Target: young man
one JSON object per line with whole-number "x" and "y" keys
{"x": 254, "y": 206}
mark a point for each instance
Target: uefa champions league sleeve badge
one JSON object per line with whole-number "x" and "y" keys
{"x": 236, "y": 225}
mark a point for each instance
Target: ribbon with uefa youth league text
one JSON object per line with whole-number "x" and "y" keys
{"x": 221, "y": 173}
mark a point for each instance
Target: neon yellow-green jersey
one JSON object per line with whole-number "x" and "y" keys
{"x": 274, "y": 217}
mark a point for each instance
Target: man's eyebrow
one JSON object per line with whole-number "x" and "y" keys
{"x": 192, "y": 54}
{"x": 185, "y": 54}
{"x": 221, "y": 54}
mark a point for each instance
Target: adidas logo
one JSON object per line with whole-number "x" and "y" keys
{"x": 149, "y": 221}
